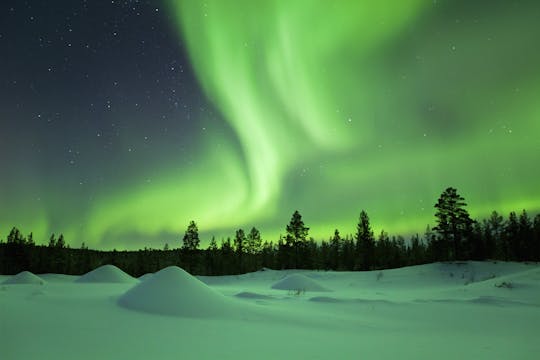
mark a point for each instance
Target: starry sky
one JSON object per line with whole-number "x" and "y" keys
{"x": 121, "y": 121}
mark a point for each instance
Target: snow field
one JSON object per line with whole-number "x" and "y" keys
{"x": 473, "y": 310}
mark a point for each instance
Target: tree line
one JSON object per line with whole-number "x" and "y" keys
{"x": 455, "y": 237}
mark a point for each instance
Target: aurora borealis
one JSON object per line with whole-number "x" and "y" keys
{"x": 121, "y": 121}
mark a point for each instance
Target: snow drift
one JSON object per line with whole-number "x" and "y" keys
{"x": 24, "y": 277}
{"x": 298, "y": 282}
{"x": 106, "y": 274}
{"x": 145, "y": 276}
{"x": 172, "y": 291}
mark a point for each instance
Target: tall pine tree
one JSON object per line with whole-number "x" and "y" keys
{"x": 296, "y": 240}
{"x": 365, "y": 243}
{"x": 454, "y": 224}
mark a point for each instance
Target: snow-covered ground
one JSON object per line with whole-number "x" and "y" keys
{"x": 473, "y": 310}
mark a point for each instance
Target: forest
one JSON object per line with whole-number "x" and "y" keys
{"x": 455, "y": 237}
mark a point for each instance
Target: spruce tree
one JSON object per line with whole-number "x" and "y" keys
{"x": 494, "y": 228}
{"x": 335, "y": 251}
{"x": 365, "y": 243}
{"x": 240, "y": 241}
{"x": 254, "y": 242}
{"x": 525, "y": 234}
{"x": 296, "y": 239}
{"x": 191, "y": 237}
{"x": 239, "y": 246}
{"x": 453, "y": 223}
{"x": 511, "y": 237}
{"x": 52, "y": 241}
{"x": 60, "y": 243}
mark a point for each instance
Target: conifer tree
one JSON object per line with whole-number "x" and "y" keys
{"x": 254, "y": 241}
{"x": 191, "y": 237}
{"x": 240, "y": 241}
{"x": 511, "y": 237}
{"x": 296, "y": 239}
{"x": 525, "y": 234}
{"x": 60, "y": 243}
{"x": 335, "y": 251}
{"x": 52, "y": 241}
{"x": 365, "y": 243}
{"x": 239, "y": 246}
{"x": 30, "y": 239}
{"x": 453, "y": 222}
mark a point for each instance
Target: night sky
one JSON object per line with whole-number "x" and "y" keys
{"x": 121, "y": 121}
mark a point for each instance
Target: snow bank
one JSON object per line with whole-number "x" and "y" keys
{"x": 106, "y": 274}
{"x": 172, "y": 291}
{"x": 25, "y": 277}
{"x": 298, "y": 282}
{"x": 145, "y": 276}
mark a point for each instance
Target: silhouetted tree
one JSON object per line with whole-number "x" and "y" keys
{"x": 296, "y": 239}
{"x": 365, "y": 243}
{"x": 525, "y": 235}
{"x": 494, "y": 229}
{"x": 253, "y": 249}
{"x": 453, "y": 222}
{"x": 189, "y": 251}
{"x": 191, "y": 237}
{"x": 239, "y": 247}
{"x": 254, "y": 241}
{"x": 417, "y": 253}
{"x": 52, "y": 241}
{"x": 61, "y": 243}
{"x": 383, "y": 251}
{"x": 511, "y": 236}
{"x": 335, "y": 250}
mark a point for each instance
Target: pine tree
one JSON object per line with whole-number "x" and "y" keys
{"x": 240, "y": 241}
{"x": 239, "y": 246}
{"x": 453, "y": 223}
{"x": 60, "y": 243}
{"x": 365, "y": 243}
{"x": 417, "y": 251}
{"x": 254, "y": 242}
{"x": 30, "y": 239}
{"x": 511, "y": 237}
{"x": 525, "y": 234}
{"x": 52, "y": 241}
{"x": 213, "y": 245}
{"x": 494, "y": 229}
{"x": 296, "y": 239}
{"x": 383, "y": 251}
{"x": 191, "y": 237}
{"x": 335, "y": 251}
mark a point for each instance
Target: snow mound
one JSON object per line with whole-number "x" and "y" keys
{"x": 24, "y": 277}
{"x": 106, "y": 274}
{"x": 298, "y": 282}
{"x": 172, "y": 291}
{"x": 145, "y": 276}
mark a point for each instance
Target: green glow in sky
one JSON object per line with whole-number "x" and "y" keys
{"x": 339, "y": 106}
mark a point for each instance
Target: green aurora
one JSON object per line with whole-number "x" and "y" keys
{"x": 331, "y": 108}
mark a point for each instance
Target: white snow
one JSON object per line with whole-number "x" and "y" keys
{"x": 298, "y": 282}
{"x": 106, "y": 274}
{"x": 470, "y": 310}
{"x": 145, "y": 276}
{"x": 172, "y": 291}
{"x": 25, "y": 277}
